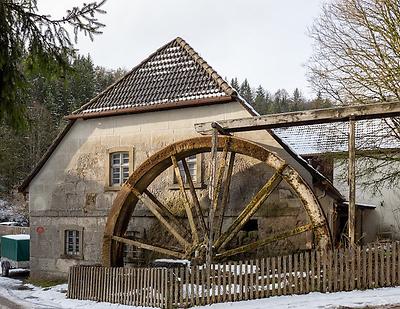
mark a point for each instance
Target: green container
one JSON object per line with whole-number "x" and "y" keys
{"x": 15, "y": 247}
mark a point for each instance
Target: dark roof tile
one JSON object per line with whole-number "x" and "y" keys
{"x": 174, "y": 73}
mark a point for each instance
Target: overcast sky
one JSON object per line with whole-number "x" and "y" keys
{"x": 263, "y": 40}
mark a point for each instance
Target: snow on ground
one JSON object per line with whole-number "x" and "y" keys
{"x": 353, "y": 299}
{"x": 29, "y": 296}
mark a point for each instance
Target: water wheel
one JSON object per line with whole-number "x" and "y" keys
{"x": 200, "y": 236}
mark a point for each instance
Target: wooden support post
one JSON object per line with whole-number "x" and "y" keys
{"x": 213, "y": 170}
{"x": 352, "y": 181}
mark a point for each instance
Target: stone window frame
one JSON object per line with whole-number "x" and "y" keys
{"x": 63, "y": 230}
{"x": 107, "y": 176}
{"x": 198, "y": 184}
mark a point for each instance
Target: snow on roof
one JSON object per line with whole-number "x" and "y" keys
{"x": 17, "y": 236}
{"x": 333, "y": 137}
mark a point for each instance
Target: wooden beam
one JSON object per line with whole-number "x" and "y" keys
{"x": 167, "y": 213}
{"x": 186, "y": 203}
{"x": 316, "y": 116}
{"x": 142, "y": 245}
{"x": 195, "y": 199}
{"x": 250, "y": 209}
{"x": 352, "y": 181}
{"x": 155, "y": 211}
{"x": 225, "y": 195}
{"x": 260, "y": 243}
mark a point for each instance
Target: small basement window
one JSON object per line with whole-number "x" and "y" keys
{"x": 72, "y": 241}
{"x": 251, "y": 225}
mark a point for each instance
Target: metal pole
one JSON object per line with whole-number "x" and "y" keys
{"x": 352, "y": 180}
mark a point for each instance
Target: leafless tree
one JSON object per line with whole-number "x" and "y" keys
{"x": 356, "y": 60}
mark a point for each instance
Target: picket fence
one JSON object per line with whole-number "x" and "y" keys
{"x": 371, "y": 266}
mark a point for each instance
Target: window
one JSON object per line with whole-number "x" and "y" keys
{"x": 194, "y": 165}
{"x": 72, "y": 240}
{"x": 119, "y": 169}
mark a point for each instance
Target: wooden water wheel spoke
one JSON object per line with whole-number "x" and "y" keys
{"x": 219, "y": 177}
{"x": 186, "y": 203}
{"x": 142, "y": 245}
{"x": 260, "y": 243}
{"x": 195, "y": 199}
{"x": 225, "y": 195}
{"x": 167, "y": 213}
{"x": 156, "y": 212}
{"x": 250, "y": 209}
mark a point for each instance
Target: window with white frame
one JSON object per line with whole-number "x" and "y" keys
{"x": 72, "y": 241}
{"x": 119, "y": 168}
{"x": 192, "y": 165}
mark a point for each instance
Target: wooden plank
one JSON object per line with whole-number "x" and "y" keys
{"x": 393, "y": 255}
{"x": 163, "y": 304}
{"x": 318, "y": 254}
{"x": 328, "y": 115}
{"x": 335, "y": 270}
{"x": 358, "y": 263}
{"x": 142, "y": 245}
{"x": 387, "y": 265}
{"x": 324, "y": 260}
{"x": 370, "y": 267}
{"x": 301, "y": 272}
{"x": 307, "y": 278}
{"x": 256, "y": 286}
{"x": 240, "y": 280}
{"x": 273, "y": 274}
{"x": 225, "y": 194}
{"x": 219, "y": 283}
{"x": 279, "y": 273}
{"x": 263, "y": 288}
{"x": 346, "y": 269}
{"x": 190, "y": 272}
{"x": 330, "y": 271}
{"x": 296, "y": 274}
{"x": 198, "y": 287}
{"x": 352, "y": 267}
{"x": 189, "y": 287}
{"x": 284, "y": 275}
{"x": 246, "y": 280}
{"x": 364, "y": 263}
{"x": 235, "y": 282}
{"x": 381, "y": 266}
{"x": 203, "y": 286}
{"x": 290, "y": 275}
{"x": 341, "y": 270}
{"x": 229, "y": 281}
{"x": 181, "y": 286}
{"x": 188, "y": 209}
{"x": 196, "y": 204}
{"x": 376, "y": 265}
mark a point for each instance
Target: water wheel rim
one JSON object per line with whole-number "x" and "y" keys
{"x": 125, "y": 201}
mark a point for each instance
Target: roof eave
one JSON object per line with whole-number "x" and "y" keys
{"x": 153, "y": 108}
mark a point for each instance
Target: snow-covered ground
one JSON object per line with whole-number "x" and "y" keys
{"x": 29, "y": 296}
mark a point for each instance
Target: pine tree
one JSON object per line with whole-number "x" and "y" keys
{"x": 260, "y": 101}
{"x": 235, "y": 84}
{"x": 246, "y": 92}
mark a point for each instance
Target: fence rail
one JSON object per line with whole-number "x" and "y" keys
{"x": 372, "y": 266}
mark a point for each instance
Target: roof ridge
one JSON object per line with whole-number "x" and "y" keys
{"x": 210, "y": 71}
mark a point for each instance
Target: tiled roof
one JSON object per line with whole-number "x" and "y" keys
{"x": 173, "y": 74}
{"x": 371, "y": 134}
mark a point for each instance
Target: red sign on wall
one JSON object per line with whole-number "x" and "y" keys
{"x": 40, "y": 230}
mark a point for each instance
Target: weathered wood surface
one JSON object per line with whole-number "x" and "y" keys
{"x": 316, "y": 116}
{"x": 372, "y": 266}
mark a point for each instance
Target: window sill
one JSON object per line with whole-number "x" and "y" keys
{"x": 112, "y": 188}
{"x": 71, "y": 257}
{"x": 196, "y": 185}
